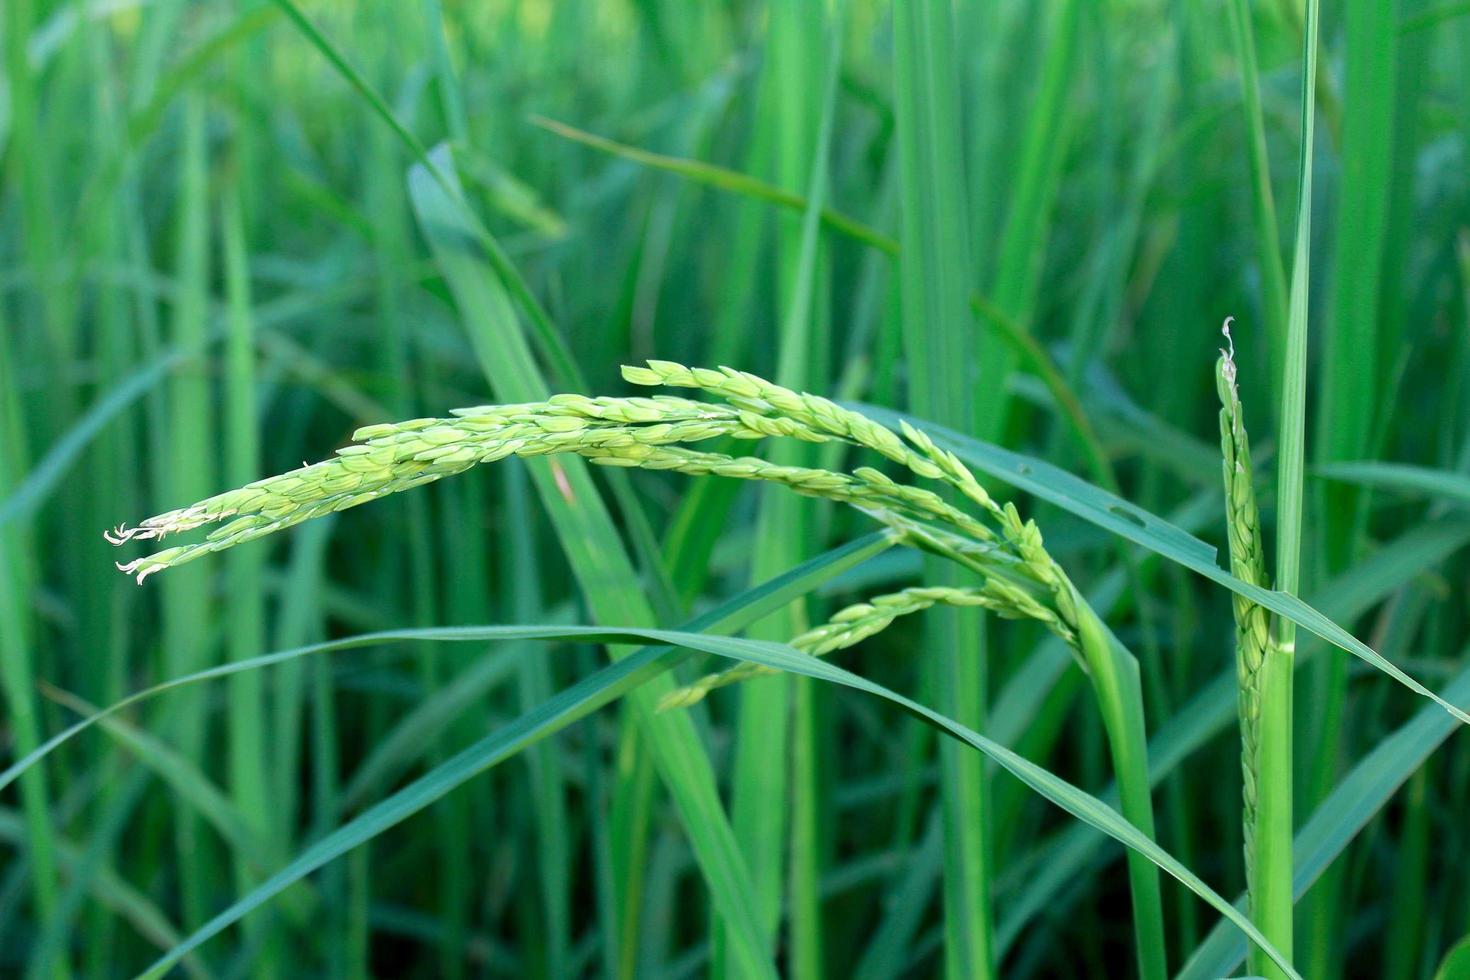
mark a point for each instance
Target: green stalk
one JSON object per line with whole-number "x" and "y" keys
{"x": 1273, "y": 899}
{"x": 534, "y": 683}
{"x": 189, "y": 472}
{"x": 1351, "y": 379}
{"x": 30, "y": 175}
{"x": 246, "y": 609}
{"x": 463, "y": 593}
{"x": 763, "y": 777}
{"x": 1268, "y": 235}
{"x": 17, "y": 668}
{"x": 934, "y": 287}
{"x": 1114, "y": 674}
{"x": 410, "y": 567}
{"x": 802, "y": 361}
{"x": 1413, "y": 880}
{"x": 1023, "y": 243}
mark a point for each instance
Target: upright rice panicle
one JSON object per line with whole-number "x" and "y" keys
{"x": 1248, "y": 563}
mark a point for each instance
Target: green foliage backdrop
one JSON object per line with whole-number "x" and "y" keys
{"x": 429, "y": 742}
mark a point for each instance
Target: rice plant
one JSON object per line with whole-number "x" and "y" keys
{"x": 927, "y": 641}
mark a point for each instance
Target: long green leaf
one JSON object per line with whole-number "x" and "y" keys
{"x": 591, "y": 544}
{"x": 439, "y": 634}
{"x": 1079, "y": 804}
{"x": 1026, "y": 348}
{"x": 1129, "y": 521}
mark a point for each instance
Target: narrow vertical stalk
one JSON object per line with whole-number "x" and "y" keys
{"x": 1350, "y": 377}
{"x": 1117, "y": 686}
{"x": 804, "y": 329}
{"x": 17, "y": 669}
{"x": 412, "y": 547}
{"x": 31, "y": 174}
{"x": 1263, "y": 203}
{"x": 1272, "y": 902}
{"x": 1414, "y": 880}
{"x": 116, "y": 331}
{"x": 934, "y": 286}
{"x": 451, "y": 815}
{"x": 246, "y": 609}
{"x": 189, "y": 471}
{"x": 772, "y": 791}
{"x": 521, "y": 573}
{"x": 1038, "y": 169}
{"x": 1350, "y": 368}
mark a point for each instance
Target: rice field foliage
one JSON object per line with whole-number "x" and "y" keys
{"x": 833, "y": 573}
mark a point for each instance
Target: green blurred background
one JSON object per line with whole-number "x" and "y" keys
{"x": 214, "y": 265}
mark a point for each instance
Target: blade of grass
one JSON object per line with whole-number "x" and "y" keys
{"x": 1350, "y": 351}
{"x": 1350, "y": 381}
{"x": 1263, "y": 203}
{"x": 188, "y": 471}
{"x": 602, "y": 567}
{"x": 785, "y": 525}
{"x": 246, "y": 611}
{"x": 548, "y": 780}
{"x": 1456, "y": 962}
{"x": 764, "y": 784}
{"x": 464, "y": 593}
{"x": 934, "y": 283}
{"x": 17, "y": 663}
{"x": 1410, "y": 922}
{"x": 1444, "y": 485}
{"x": 1043, "y": 147}
{"x": 1272, "y": 902}
{"x": 722, "y": 178}
{"x": 1114, "y": 674}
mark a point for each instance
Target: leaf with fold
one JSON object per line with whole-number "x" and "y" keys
{"x": 1112, "y": 513}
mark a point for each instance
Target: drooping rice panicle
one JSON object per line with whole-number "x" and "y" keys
{"x": 1019, "y": 577}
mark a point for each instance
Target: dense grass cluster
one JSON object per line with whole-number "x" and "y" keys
{"x": 782, "y": 683}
